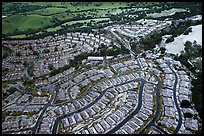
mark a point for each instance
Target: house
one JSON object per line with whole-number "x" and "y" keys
{"x": 101, "y": 105}
{"x": 110, "y": 121}
{"x": 133, "y": 125}
{"x": 119, "y": 113}
{"x": 78, "y": 117}
{"x": 84, "y": 114}
{"x": 99, "y": 128}
{"x": 71, "y": 120}
{"x": 188, "y": 110}
{"x": 169, "y": 111}
{"x": 71, "y": 107}
{"x": 59, "y": 110}
{"x": 92, "y": 130}
{"x": 85, "y": 131}
{"x": 91, "y": 111}
{"x": 138, "y": 121}
{"x": 124, "y": 109}
{"x": 77, "y": 104}
{"x": 26, "y": 122}
{"x": 96, "y": 108}
{"x": 105, "y": 125}
{"x": 45, "y": 127}
{"x": 51, "y": 113}
{"x": 121, "y": 131}
{"x": 128, "y": 129}
{"x": 115, "y": 117}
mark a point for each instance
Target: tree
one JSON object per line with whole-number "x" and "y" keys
{"x": 18, "y": 53}
{"x": 35, "y": 53}
{"x": 12, "y": 89}
{"x": 170, "y": 39}
{"x": 188, "y": 115}
{"x": 46, "y": 51}
{"x": 162, "y": 49}
{"x": 188, "y": 31}
{"x": 34, "y": 93}
{"x": 28, "y": 82}
{"x": 185, "y": 104}
{"x": 56, "y": 49}
{"x": 30, "y": 47}
{"x": 50, "y": 67}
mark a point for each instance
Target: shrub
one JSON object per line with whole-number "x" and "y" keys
{"x": 170, "y": 39}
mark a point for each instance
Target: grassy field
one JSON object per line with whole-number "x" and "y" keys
{"x": 22, "y": 23}
{"x": 52, "y": 29}
{"x": 37, "y": 18}
{"x": 49, "y": 11}
{"x": 18, "y": 36}
{"x": 93, "y": 5}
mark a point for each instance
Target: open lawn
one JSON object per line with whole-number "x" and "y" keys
{"x": 79, "y": 7}
{"x": 23, "y": 23}
{"x": 49, "y": 11}
{"x": 37, "y": 18}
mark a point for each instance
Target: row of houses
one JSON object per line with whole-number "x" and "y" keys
{"x": 170, "y": 115}
{"x": 18, "y": 124}
{"x": 61, "y": 50}
{"x": 139, "y": 30}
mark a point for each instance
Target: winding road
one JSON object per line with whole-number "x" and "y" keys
{"x": 92, "y": 103}
{"x": 175, "y": 99}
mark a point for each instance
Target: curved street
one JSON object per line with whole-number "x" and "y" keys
{"x": 133, "y": 113}
{"x": 91, "y": 104}
{"x": 175, "y": 99}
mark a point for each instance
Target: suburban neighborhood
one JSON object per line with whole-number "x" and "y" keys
{"x": 56, "y": 85}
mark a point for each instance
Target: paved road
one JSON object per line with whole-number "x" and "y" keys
{"x": 34, "y": 128}
{"x": 88, "y": 90}
{"x": 152, "y": 123}
{"x": 126, "y": 45}
{"x": 175, "y": 99}
{"x": 133, "y": 113}
{"x": 158, "y": 109}
{"x": 89, "y": 105}
{"x": 51, "y": 88}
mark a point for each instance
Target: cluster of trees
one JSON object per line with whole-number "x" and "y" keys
{"x": 73, "y": 63}
{"x": 77, "y": 61}
{"x": 185, "y": 104}
{"x": 30, "y": 69}
{"x": 195, "y": 8}
{"x": 170, "y": 39}
{"x": 59, "y": 70}
{"x": 150, "y": 42}
{"x": 50, "y": 66}
{"x": 104, "y": 51}
{"x": 80, "y": 3}
{"x": 178, "y": 28}
{"x": 162, "y": 49}
{"x": 176, "y": 31}
{"x": 188, "y": 31}
{"x": 6, "y": 51}
{"x": 28, "y": 82}
{"x": 5, "y": 71}
{"x": 11, "y": 90}
{"x": 192, "y": 50}
{"x": 21, "y": 7}
{"x": 197, "y": 93}
{"x": 46, "y": 51}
